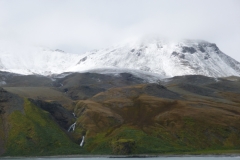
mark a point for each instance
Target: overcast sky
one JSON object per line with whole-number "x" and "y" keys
{"x": 81, "y": 25}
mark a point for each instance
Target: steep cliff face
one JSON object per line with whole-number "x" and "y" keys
{"x": 61, "y": 115}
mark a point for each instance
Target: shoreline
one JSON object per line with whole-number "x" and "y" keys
{"x": 128, "y": 156}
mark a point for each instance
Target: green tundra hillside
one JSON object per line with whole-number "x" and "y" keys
{"x": 120, "y": 115}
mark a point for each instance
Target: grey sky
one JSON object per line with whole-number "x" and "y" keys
{"x": 78, "y": 26}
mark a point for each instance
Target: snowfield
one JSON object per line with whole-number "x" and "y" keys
{"x": 162, "y": 58}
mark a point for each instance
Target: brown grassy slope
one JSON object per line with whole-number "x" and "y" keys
{"x": 2, "y": 137}
{"x": 193, "y": 113}
{"x": 95, "y": 118}
{"x": 42, "y": 93}
{"x": 194, "y": 121}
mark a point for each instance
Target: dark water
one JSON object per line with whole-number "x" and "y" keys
{"x": 155, "y": 158}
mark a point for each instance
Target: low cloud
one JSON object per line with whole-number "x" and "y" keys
{"x": 79, "y": 26}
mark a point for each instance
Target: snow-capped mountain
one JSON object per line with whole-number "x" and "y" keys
{"x": 35, "y": 60}
{"x": 167, "y": 58}
{"x": 162, "y": 57}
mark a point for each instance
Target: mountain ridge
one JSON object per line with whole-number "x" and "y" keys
{"x": 155, "y": 56}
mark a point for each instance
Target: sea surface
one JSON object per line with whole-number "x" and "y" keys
{"x": 151, "y": 158}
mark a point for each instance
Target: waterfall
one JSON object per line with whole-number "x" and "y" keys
{"x": 72, "y": 127}
{"x": 81, "y": 144}
{"x": 74, "y": 115}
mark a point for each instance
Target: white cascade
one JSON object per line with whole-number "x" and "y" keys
{"x": 72, "y": 127}
{"x": 74, "y": 115}
{"x": 81, "y": 144}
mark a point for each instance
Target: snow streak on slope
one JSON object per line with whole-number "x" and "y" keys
{"x": 152, "y": 57}
{"x": 166, "y": 58}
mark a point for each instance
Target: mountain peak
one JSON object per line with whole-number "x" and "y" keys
{"x": 159, "y": 56}
{"x": 164, "y": 57}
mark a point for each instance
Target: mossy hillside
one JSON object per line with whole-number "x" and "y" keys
{"x": 194, "y": 136}
{"x": 200, "y": 134}
{"x": 123, "y": 146}
{"x": 94, "y": 118}
{"x": 35, "y": 133}
{"x": 42, "y": 93}
{"x": 2, "y": 136}
{"x": 143, "y": 143}
{"x": 154, "y": 125}
{"x": 163, "y": 126}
